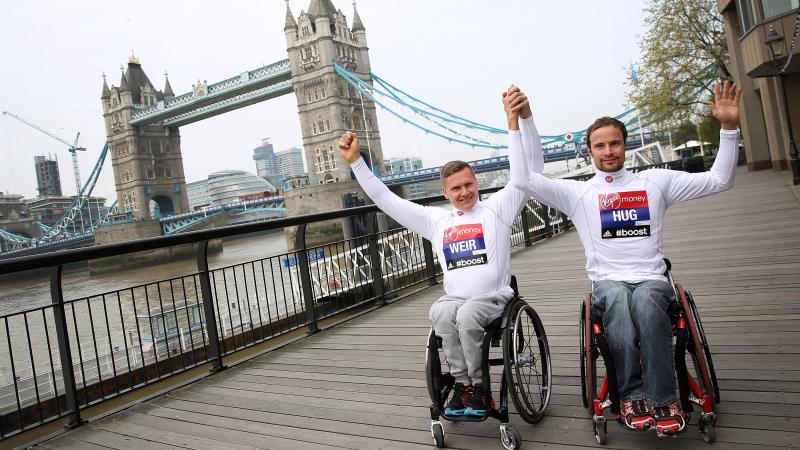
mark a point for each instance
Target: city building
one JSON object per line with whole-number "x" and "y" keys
{"x": 48, "y": 180}
{"x": 278, "y": 167}
{"x": 289, "y": 163}
{"x": 396, "y": 165}
{"x": 264, "y": 156}
{"x": 50, "y": 209}
{"x": 296, "y": 182}
{"x": 760, "y": 35}
{"x": 197, "y": 192}
{"x": 400, "y": 165}
{"x": 227, "y": 186}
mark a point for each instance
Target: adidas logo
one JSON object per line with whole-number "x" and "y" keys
{"x": 449, "y": 266}
{"x": 607, "y": 234}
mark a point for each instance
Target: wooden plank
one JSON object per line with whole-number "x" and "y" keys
{"x": 361, "y": 384}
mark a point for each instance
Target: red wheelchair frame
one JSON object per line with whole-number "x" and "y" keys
{"x": 700, "y": 390}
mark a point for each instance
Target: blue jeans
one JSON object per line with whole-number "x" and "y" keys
{"x": 637, "y": 313}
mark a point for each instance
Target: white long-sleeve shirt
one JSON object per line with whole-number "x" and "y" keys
{"x": 474, "y": 246}
{"x": 620, "y": 215}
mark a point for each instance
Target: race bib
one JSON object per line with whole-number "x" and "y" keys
{"x": 464, "y": 246}
{"x": 624, "y": 215}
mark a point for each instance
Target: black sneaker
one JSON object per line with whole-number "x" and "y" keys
{"x": 477, "y": 405}
{"x": 456, "y": 405}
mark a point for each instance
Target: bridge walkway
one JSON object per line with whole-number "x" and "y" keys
{"x": 361, "y": 384}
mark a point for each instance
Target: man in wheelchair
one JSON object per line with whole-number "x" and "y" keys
{"x": 473, "y": 243}
{"x": 619, "y": 217}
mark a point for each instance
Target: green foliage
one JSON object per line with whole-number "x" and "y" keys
{"x": 683, "y": 52}
{"x": 685, "y": 131}
{"x": 708, "y": 129}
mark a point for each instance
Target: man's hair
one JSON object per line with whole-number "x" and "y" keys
{"x": 453, "y": 167}
{"x": 604, "y": 122}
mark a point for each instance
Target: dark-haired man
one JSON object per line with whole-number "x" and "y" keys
{"x": 619, "y": 217}
{"x": 473, "y": 242}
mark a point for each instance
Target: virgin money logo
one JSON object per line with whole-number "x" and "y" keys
{"x": 611, "y": 200}
{"x": 461, "y": 231}
{"x": 609, "y": 179}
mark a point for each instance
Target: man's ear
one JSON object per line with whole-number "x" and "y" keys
{"x": 444, "y": 192}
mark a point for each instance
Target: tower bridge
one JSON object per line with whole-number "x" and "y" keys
{"x": 328, "y": 69}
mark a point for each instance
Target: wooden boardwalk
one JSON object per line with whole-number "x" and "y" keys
{"x": 362, "y": 385}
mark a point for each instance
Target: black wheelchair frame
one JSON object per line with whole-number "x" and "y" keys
{"x": 506, "y": 331}
{"x": 700, "y": 389}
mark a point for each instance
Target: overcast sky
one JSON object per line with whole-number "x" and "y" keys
{"x": 571, "y": 57}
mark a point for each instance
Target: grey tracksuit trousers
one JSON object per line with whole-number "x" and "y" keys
{"x": 460, "y": 322}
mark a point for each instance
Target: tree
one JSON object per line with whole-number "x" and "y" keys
{"x": 684, "y": 132}
{"x": 683, "y": 52}
{"x": 708, "y": 129}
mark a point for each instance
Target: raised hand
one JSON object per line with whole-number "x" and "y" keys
{"x": 515, "y": 104}
{"x": 725, "y": 105}
{"x": 348, "y": 147}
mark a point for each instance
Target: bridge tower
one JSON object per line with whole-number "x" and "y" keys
{"x": 147, "y": 161}
{"x": 327, "y": 105}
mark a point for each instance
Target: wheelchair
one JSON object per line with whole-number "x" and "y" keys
{"x": 697, "y": 385}
{"x": 518, "y": 337}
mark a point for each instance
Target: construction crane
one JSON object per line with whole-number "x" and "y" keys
{"x": 73, "y": 148}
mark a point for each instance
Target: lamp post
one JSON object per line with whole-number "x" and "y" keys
{"x": 775, "y": 44}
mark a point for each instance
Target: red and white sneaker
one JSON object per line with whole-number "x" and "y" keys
{"x": 637, "y": 414}
{"x": 669, "y": 419}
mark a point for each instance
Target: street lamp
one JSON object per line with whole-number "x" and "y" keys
{"x": 776, "y": 46}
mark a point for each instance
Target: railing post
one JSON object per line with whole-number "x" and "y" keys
{"x": 375, "y": 259}
{"x": 305, "y": 278}
{"x": 208, "y": 308}
{"x": 427, "y": 248}
{"x": 565, "y": 221}
{"x": 546, "y": 219}
{"x": 526, "y": 226}
{"x": 64, "y": 350}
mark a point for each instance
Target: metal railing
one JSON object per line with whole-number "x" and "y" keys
{"x": 56, "y": 360}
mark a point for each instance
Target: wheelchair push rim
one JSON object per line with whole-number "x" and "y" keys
{"x": 527, "y": 363}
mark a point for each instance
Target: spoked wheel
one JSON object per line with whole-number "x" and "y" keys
{"x": 526, "y": 357}
{"x": 698, "y": 350}
{"x": 511, "y": 438}
{"x": 438, "y": 434}
{"x": 600, "y": 428}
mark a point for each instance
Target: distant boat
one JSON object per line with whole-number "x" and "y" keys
{"x": 176, "y": 325}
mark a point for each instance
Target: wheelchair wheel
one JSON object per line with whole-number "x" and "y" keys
{"x": 526, "y": 358}
{"x": 582, "y": 354}
{"x": 588, "y": 363}
{"x": 433, "y": 388}
{"x": 698, "y": 350}
{"x": 511, "y": 438}
{"x": 438, "y": 434}
{"x": 703, "y": 341}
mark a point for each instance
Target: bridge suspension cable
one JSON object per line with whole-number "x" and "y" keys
{"x": 394, "y": 100}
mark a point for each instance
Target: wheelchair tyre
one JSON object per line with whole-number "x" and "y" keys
{"x": 600, "y": 429}
{"x": 706, "y": 349}
{"x": 699, "y": 361}
{"x": 432, "y": 386}
{"x": 438, "y": 435}
{"x": 706, "y": 425}
{"x": 527, "y": 363}
{"x": 511, "y": 439}
{"x": 588, "y": 362}
{"x": 582, "y": 354}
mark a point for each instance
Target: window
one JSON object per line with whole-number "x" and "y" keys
{"x": 747, "y": 15}
{"x": 773, "y": 8}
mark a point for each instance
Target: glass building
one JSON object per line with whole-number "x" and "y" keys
{"x": 227, "y": 186}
